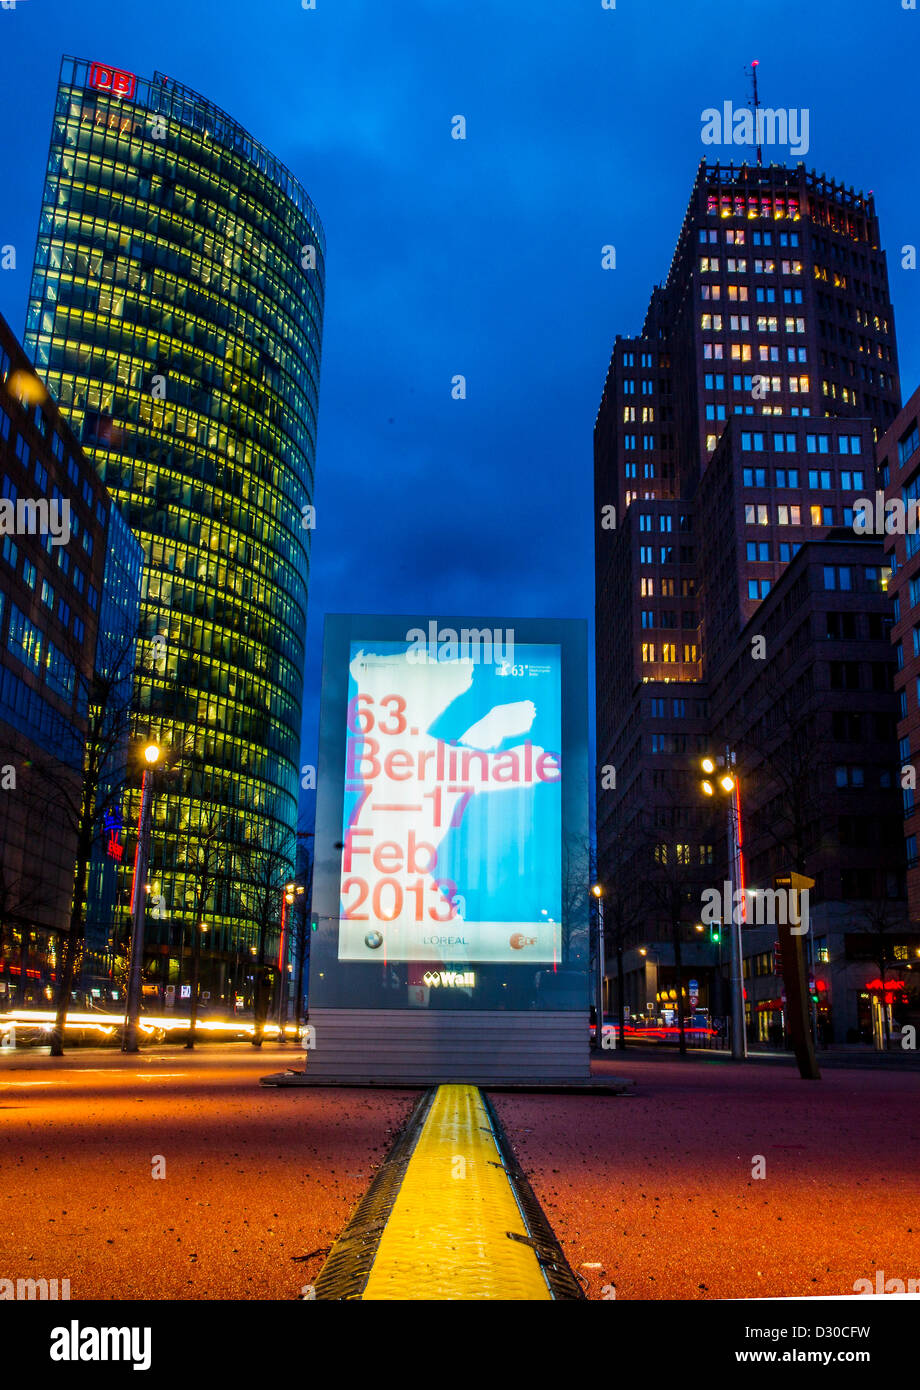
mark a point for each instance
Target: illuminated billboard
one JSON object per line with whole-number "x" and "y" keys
{"x": 453, "y": 805}
{"x": 451, "y": 839}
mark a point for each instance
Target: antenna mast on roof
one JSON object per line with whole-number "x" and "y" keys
{"x": 756, "y": 107}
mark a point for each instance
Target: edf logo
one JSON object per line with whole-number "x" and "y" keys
{"x": 106, "y": 79}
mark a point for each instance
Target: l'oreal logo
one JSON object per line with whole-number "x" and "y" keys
{"x": 450, "y": 979}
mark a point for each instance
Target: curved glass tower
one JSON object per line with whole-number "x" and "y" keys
{"x": 175, "y": 314}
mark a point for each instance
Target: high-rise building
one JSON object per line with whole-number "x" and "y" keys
{"x": 70, "y": 573}
{"x": 737, "y": 426}
{"x": 899, "y": 526}
{"x": 175, "y": 314}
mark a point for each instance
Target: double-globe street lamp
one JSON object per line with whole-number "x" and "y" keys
{"x": 139, "y": 901}
{"x": 727, "y": 783}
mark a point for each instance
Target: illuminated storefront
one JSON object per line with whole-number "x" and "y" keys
{"x": 176, "y": 316}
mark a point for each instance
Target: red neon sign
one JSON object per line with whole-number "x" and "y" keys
{"x": 105, "y": 79}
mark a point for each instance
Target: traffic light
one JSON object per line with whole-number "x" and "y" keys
{"x": 715, "y": 932}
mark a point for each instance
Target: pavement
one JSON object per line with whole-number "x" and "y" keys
{"x": 254, "y": 1179}
{"x": 653, "y": 1194}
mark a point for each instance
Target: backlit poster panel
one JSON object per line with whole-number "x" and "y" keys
{"x": 452, "y": 812}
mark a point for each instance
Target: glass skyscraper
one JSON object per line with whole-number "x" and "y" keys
{"x": 175, "y": 314}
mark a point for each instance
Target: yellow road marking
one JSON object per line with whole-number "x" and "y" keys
{"x": 447, "y": 1235}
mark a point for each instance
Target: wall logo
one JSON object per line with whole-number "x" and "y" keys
{"x": 449, "y": 979}
{"x": 105, "y": 79}
{"x": 374, "y": 939}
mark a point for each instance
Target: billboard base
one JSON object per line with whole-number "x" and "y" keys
{"x": 491, "y": 1047}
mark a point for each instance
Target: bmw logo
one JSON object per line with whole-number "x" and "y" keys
{"x": 374, "y": 939}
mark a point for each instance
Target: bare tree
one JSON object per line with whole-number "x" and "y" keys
{"x": 623, "y": 914}
{"x": 268, "y": 867}
{"x": 211, "y": 859}
{"x": 302, "y": 911}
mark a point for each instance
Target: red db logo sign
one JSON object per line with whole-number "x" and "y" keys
{"x": 106, "y": 79}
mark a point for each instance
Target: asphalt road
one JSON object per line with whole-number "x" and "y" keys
{"x": 654, "y": 1194}
{"x": 254, "y": 1177}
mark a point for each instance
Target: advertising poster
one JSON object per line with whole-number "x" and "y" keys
{"x": 453, "y": 805}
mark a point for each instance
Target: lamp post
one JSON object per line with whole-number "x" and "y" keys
{"x": 598, "y": 892}
{"x": 290, "y": 892}
{"x": 139, "y": 902}
{"x": 727, "y": 783}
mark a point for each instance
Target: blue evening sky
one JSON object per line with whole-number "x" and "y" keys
{"x": 481, "y": 257}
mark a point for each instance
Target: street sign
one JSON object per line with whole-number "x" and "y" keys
{"x": 185, "y": 991}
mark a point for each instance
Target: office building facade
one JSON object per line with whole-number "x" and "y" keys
{"x": 70, "y": 574}
{"x": 176, "y": 314}
{"x": 739, "y": 425}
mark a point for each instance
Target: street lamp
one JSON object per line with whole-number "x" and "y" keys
{"x": 598, "y": 892}
{"x": 290, "y": 892}
{"x": 727, "y": 783}
{"x": 139, "y": 901}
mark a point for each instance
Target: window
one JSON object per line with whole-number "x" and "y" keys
{"x": 818, "y": 443}
{"x": 47, "y": 594}
{"x": 820, "y": 479}
{"x": 851, "y": 482}
{"x": 755, "y": 477}
{"x": 29, "y": 573}
{"x": 787, "y": 477}
{"x": 758, "y": 551}
{"x": 755, "y": 514}
{"x": 908, "y": 444}
{"x": 751, "y": 443}
{"x": 25, "y": 640}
